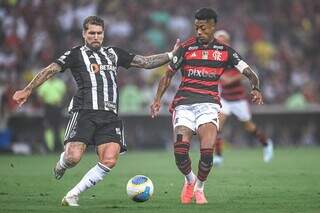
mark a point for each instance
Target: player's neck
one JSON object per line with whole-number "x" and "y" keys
{"x": 206, "y": 44}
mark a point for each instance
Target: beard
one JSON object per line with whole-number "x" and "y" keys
{"x": 94, "y": 46}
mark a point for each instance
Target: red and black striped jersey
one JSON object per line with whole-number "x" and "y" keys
{"x": 201, "y": 67}
{"x": 234, "y": 91}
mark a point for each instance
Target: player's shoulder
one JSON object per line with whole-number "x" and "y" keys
{"x": 220, "y": 46}
{"x": 74, "y": 49}
{"x": 189, "y": 42}
{"x": 111, "y": 49}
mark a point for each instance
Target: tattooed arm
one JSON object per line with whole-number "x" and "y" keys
{"x": 149, "y": 62}
{"x": 153, "y": 61}
{"x": 162, "y": 87}
{"x": 255, "y": 84}
{"x": 21, "y": 96}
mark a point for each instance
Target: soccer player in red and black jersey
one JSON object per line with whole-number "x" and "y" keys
{"x": 233, "y": 100}
{"x": 201, "y": 60}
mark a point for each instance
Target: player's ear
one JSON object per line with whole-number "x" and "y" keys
{"x": 83, "y": 33}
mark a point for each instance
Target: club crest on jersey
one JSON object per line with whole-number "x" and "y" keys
{"x": 95, "y": 68}
{"x": 217, "y": 55}
{"x": 205, "y": 54}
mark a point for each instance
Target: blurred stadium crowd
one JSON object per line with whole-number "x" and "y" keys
{"x": 279, "y": 38}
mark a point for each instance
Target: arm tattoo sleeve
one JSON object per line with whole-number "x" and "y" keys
{"x": 43, "y": 75}
{"x": 253, "y": 78}
{"x": 150, "y": 62}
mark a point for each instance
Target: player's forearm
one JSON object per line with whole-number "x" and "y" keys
{"x": 149, "y": 62}
{"x": 162, "y": 87}
{"x": 253, "y": 78}
{"x": 42, "y": 76}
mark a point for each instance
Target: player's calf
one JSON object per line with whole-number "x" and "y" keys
{"x": 205, "y": 164}
{"x": 181, "y": 154}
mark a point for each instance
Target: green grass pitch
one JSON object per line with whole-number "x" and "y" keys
{"x": 291, "y": 183}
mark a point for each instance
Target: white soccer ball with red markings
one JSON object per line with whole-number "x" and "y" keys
{"x": 140, "y": 188}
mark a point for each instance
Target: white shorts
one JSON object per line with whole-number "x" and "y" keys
{"x": 239, "y": 108}
{"x": 192, "y": 116}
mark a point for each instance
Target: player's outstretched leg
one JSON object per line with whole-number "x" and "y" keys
{"x": 93, "y": 176}
{"x": 268, "y": 151}
{"x": 218, "y": 159}
{"x": 261, "y": 136}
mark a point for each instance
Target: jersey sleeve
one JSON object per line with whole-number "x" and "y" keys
{"x": 66, "y": 60}
{"x": 177, "y": 60}
{"x": 124, "y": 58}
{"x": 235, "y": 60}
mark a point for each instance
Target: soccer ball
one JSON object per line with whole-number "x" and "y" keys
{"x": 140, "y": 188}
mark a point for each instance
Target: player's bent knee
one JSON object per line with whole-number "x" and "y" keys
{"x": 109, "y": 162}
{"x": 72, "y": 159}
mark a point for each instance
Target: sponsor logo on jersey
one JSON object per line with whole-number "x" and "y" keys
{"x": 63, "y": 57}
{"x": 235, "y": 55}
{"x": 219, "y": 47}
{"x": 193, "y": 55}
{"x": 200, "y": 73}
{"x": 95, "y": 68}
{"x": 193, "y": 48}
{"x": 110, "y": 105}
{"x": 118, "y": 131}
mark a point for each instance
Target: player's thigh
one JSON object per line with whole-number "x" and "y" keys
{"x": 241, "y": 110}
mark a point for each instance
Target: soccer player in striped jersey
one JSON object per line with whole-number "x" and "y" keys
{"x": 201, "y": 60}
{"x": 233, "y": 100}
{"x": 94, "y": 119}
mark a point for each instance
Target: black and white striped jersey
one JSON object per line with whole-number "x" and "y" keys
{"x": 95, "y": 73}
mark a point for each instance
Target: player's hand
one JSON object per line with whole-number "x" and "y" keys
{"x": 21, "y": 96}
{"x": 155, "y": 108}
{"x": 256, "y": 97}
{"x": 176, "y": 46}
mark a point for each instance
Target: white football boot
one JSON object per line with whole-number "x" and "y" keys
{"x": 268, "y": 151}
{"x": 70, "y": 201}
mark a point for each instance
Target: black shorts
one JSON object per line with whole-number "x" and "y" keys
{"x": 95, "y": 127}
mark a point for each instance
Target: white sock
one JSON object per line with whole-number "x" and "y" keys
{"x": 190, "y": 177}
{"x": 93, "y": 176}
{"x": 199, "y": 185}
{"x": 62, "y": 162}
